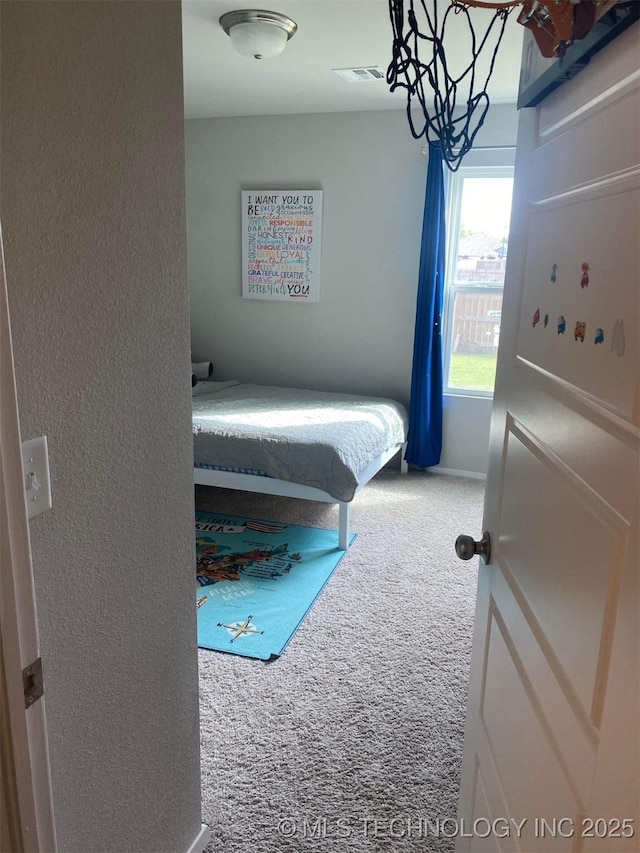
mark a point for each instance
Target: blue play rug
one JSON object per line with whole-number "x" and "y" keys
{"x": 257, "y": 580}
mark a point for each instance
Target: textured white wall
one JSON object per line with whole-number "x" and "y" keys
{"x": 359, "y": 338}
{"x": 93, "y": 218}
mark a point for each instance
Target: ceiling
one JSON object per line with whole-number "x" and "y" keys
{"x": 331, "y": 34}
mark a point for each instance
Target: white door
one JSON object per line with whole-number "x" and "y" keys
{"x": 553, "y": 712}
{"x": 26, "y": 811}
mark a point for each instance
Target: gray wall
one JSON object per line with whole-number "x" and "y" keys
{"x": 93, "y": 217}
{"x": 359, "y": 337}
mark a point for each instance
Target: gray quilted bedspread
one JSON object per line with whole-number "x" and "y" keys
{"x": 310, "y": 437}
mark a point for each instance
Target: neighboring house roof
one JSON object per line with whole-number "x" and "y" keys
{"x": 479, "y": 245}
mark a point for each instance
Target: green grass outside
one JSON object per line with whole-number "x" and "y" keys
{"x": 473, "y": 372}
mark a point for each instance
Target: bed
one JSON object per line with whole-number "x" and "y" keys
{"x": 286, "y": 441}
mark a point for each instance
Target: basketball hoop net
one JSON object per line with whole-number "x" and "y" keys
{"x": 454, "y": 103}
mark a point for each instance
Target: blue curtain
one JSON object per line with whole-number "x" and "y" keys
{"x": 424, "y": 442}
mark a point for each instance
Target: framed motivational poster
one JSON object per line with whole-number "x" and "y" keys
{"x": 281, "y": 242}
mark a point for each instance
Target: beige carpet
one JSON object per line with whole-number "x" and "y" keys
{"x": 352, "y": 739}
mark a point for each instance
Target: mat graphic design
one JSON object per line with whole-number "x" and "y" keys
{"x": 256, "y": 581}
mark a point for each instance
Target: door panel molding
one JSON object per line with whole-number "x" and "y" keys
{"x": 558, "y": 320}
{"x": 480, "y": 808}
{"x": 554, "y": 696}
{"x": 545, "y": 559}
{"x": 582, "y": 403}
{"x": 581, "y": 113}
{"x": 601, "y": 186}
{"x": 566, "y": 717}
{"x": 598, "y": 456}
{"x": 508, "y": 727}
{"x": 592, "y": 499}
{"x": 616, "y": 69}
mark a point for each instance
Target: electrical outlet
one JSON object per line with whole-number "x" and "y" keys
{"x": 37, "y": 484}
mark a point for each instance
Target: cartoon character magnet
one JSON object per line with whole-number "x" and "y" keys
{"x": 584, "y": 281}
{"x": 599, "y": 338}
{"x": 554, "y": 273}
{"x": 562, "y": 325}
{"x": 580, "y": 331}
{"x": 536, "y": 317}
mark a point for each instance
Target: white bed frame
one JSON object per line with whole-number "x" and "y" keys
{"x": 271, "y": 486}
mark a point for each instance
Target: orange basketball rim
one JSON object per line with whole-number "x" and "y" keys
{"x": 555, "y": 24}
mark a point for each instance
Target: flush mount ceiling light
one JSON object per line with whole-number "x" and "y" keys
{"x": 257, "y": 33}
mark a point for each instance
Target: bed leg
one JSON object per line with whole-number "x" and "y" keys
{"x": 404, "y": 465}
{"x": 343, "y": 531}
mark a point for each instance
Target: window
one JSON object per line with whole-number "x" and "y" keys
{"x": 478, "y": 229}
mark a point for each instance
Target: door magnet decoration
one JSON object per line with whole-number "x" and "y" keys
{"x": 584, "y": 281}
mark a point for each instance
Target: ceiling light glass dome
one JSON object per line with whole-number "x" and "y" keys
{"x": 257, "y": 33}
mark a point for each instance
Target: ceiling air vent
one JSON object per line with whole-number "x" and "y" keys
{"x": 360, "y": 75}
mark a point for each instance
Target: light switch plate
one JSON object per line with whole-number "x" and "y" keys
{"x": 37, "y": 484}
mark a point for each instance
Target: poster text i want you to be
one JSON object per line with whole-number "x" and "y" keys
{"x": 281, "y": 238}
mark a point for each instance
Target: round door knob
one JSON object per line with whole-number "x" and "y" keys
{"x": 467, "y": 547}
